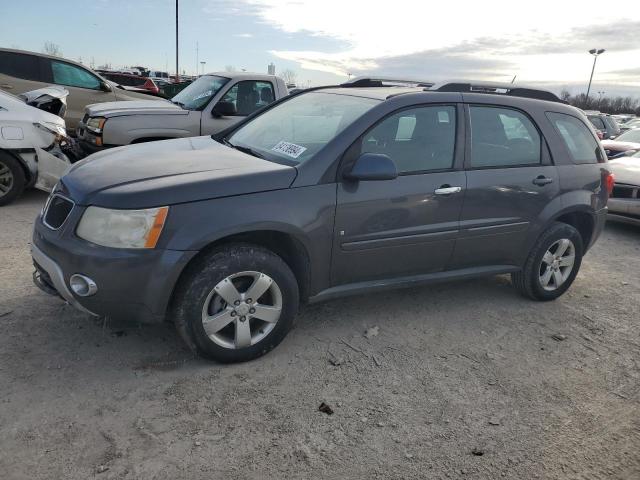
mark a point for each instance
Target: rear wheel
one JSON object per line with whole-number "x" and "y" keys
{"x": 12, "y": 179}
{"x": 552, "y": 265}
{"x": 236, "y": 304}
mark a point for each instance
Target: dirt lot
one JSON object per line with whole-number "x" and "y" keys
{"x": 462, "y": 381}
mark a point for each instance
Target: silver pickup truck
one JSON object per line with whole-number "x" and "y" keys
{"x": 210, "y": 104}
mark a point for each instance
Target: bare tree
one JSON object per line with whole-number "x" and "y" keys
{"x": 289, "y": 77}
{"x": 51, "y": 48}
{"x": 605, "y": 104}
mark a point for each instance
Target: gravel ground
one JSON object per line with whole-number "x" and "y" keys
{"x": 462, "y": 380}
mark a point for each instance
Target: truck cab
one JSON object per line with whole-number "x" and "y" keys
{"x": 210, "y": 104}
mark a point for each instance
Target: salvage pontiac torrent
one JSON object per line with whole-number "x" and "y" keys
{"x": 333, "y": 191}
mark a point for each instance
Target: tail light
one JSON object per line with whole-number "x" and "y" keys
{"x": 149, "y": 85}
{"x": 600, "y": 134}
{"x": 610, "y": 182}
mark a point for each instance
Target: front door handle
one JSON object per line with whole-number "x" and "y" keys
{"x": 541, "y": 180}
{"x": 447, "y": 190}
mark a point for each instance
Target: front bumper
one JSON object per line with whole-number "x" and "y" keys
{"x": 133, "y": 285}
{"x": 624, "y": 210}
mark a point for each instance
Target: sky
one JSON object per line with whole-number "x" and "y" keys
{"x": 542, "y": 43}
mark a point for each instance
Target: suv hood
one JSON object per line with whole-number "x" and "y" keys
{"x": 169, "y": 172}
{"x": 134, "y": 107}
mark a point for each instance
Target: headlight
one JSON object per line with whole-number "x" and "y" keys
{"x": 122, "y": 228}
{"x": 96, "y": 124}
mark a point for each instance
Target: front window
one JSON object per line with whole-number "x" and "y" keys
{"x": 249, "y": 96}
{"x": 297, "y": 129}
{"x": 67, "y": 74}
{"x": 197, "y": 95}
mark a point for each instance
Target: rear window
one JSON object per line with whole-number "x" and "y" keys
{"x": 597, "y": 122}
{"x": 20, "y": 65}
{"x": 580, "y": 142}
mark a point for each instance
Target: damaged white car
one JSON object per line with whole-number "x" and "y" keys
{"x": 35, "y": 150}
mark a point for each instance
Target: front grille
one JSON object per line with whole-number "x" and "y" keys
{"x": 625, "y": 191}
{"x": 56, "y": 211}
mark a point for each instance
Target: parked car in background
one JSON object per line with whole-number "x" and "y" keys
{"x": 129, "y": 80}
{"x": 35, "y": 150}
{"x": 625, "y": 144}
{"x": 624, "y": 117}
{"x": 605, "y": 123}
{"x": 157, "y": 75}
{"x": 630, "y": 125}
{"x": 210, "y": 104}
{"x": 331, "y": 192}
{"x": 624, "y": 204}
{"x": 21, "y": 71}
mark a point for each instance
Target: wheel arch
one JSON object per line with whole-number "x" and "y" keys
{"x": 29, "y": 176}
{"x": 286, "y": 245}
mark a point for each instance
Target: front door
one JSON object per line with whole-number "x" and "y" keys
{"x": 406, "y": 226}
{"x": 510, "y": 180}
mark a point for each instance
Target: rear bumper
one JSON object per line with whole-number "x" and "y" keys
{"x": 600, "y": 220}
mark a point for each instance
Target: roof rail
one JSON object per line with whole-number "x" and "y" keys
{"x": 509, "y": 89}
{"x": 367, "y": 81}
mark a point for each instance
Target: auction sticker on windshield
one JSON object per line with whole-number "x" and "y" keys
{"x": 290, "y": 149}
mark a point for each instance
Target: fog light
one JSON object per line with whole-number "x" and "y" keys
{"x": 82, "y": 285}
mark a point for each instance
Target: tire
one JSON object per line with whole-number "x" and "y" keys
{"x": 12, "y": 179}
{"x": 202, "y": 305}
{"x": 544, "y": 264}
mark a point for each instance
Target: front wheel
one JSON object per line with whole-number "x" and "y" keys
{"x": 12, "y": 179}
{"x": 236, "y": 303}
{"x": 552, "y": 264}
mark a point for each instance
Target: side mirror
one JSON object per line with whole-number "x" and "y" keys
{"x": 373, "y": 166}
{"x": 224, "y": 109}
{"x": 105, "y": 87}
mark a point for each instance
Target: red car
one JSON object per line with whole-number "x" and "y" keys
{"x": 129, "y": 80}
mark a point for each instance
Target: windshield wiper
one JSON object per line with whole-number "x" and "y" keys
{"x": 243, "y": 149}
{"x": 180, "y": 104}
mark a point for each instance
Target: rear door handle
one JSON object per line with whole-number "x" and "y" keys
{"x": 447, "y": 190}
{"x": 542, "y": 180}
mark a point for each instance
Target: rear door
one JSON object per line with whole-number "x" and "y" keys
{"x": 510, "y": 180}
{"x": 84, "y": 89}
{"x": 21, "y": 72}
{"x": 403, "y": 227}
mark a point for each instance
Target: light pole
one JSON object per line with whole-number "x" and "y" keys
{"x": 595, "y": 52}
{"x": 177, "y": 69}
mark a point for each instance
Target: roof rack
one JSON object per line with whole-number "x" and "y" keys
{"x": 360, "y": 82}
{"x": 495, "y": 88}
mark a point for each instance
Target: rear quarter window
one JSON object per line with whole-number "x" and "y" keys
{"x": 581, "y": 143}
{"x": 19, "y": 65}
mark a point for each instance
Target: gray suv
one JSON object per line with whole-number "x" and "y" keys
{"x": 330, "y": 192}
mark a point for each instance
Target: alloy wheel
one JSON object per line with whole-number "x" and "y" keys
{"x": 242, "y": 309}
{"x": 6, "y": 179}
{"x": 557, "y": 264}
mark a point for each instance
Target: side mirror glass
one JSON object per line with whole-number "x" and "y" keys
{"x": 224, "y": 109}
{"x": 373, "y": 166}
{"x": 105, "y": 87}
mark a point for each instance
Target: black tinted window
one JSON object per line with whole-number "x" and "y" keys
{"x": 20, "y": 65}
{"x": 502, "y": 137}
{"x": 598, "y": 123}
{"x": 418, "y": 139}
{"x": 580, "y": 142}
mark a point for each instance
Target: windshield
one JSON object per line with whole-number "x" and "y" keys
{"x": 197, "y": 94}
{"x": 297, "y": 129}
{"x": 629, "y": 136}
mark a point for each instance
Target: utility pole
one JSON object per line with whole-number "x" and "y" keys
{"x": 177, "y": 69}
{"x": 595, "y": 52}
{"x": 197, "y": 59}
